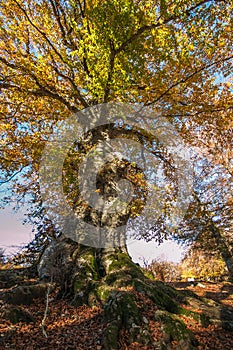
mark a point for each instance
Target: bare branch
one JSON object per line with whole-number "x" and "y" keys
{"x": 12, "y": 176}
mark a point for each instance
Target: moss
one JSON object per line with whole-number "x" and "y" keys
{"x": 83, "y": 283}
{"x": 204, "y": 320}
{"x": 26, "y": 294}
{"x": 122, "y": 309}
{"x": 188, "y": 293}
{"x": 149, "y": 275}
{"x": 112, "y": 277}
{"x": 122, "y": 306}
{"x": 125, "y": 281}
{"x": 130, "y": 310}
{"x": 103, "y": 291}
{"x": 165, "y": 301}
{"x": 168, "y": 290}
{"x": 78, "y": 285}
{"x": 157, "y": 295}
{"x": 87, "y": 269}
{"x": 91, "y": 262}
{"x": 123, "y": 261}
{"x": 119, "y": 279}
{"x": 88, "y": 257}
{"x": 110, "y": 338}
{"x": 16, "y": 315}
{"x": 174, "y": 327}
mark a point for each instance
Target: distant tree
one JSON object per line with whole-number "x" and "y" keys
{"x": 2, "y": 256}
{"x": 208, "y": 224}
{"x": 165, "y": 271}
{"x": 203, "y": 265}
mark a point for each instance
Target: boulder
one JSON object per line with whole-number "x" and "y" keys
{"x": 16, "y": 314}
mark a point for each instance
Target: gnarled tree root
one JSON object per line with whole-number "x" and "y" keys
{"x": 111, "y": 280}
{"x": 116, "y": 293}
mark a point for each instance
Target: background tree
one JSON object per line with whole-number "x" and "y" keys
{"x": 203, "y": 265}
{"x": 2, "y": 256}
{"x": 165, "y": 271}
{"x": 208, "y": 222}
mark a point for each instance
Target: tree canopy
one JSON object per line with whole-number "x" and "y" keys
{"x": 59, "y": 57}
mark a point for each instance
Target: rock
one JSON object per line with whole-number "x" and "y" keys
{"x": 174, "y": 329}
{"x": 16, "y": 314}
{"x": 11, "y": 277}
{"x": 145, "y": 320}
{"x": 25, "y": 294}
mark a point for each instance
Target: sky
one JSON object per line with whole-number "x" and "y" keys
{"x": 13, "y": 235}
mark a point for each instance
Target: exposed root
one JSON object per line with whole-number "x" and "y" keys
{"x": 111, "y": 280}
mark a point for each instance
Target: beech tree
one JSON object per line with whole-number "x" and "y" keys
{"x": 60, "y": 57}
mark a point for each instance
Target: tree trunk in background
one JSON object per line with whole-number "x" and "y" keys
{"x": 223, "y": 248}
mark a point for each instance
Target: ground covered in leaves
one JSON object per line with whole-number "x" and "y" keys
{"x": 81, "y": 328}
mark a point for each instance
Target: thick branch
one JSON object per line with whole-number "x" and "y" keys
{"x": 40, "y": 92}
{"x": 110, "y": 71}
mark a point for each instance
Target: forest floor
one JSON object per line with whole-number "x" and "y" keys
{"x": 81, "y": 328}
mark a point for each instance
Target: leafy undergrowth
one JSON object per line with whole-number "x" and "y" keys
{"x": 81, "y": 328}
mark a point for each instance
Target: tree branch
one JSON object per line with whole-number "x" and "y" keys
{"x": 159, "y": 23}
{"x": 110, "y": 70}
{"x": 184, "y": 80}
{"x": 12, "y": 176}
{"x": 39, "y": 30}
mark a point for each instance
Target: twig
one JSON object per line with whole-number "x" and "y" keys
{"x": 46, "y": 309}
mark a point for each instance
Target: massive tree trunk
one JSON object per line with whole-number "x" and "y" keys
{"x": 108, "y": 277}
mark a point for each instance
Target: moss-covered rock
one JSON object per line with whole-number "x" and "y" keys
{"x": 157, "y": 295}
{"x": 26, "y": 294}
{"x": 201, "y": 318}
{"x": 149, "y": 274}
{"x": 16, "y": 314}
{"x": 103, "y": 291}
{"x": 174, "y": 329}
{"x": 123, "y": 262}
{"x": 110, "y": 339}
{"x": 11, "y": 277}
